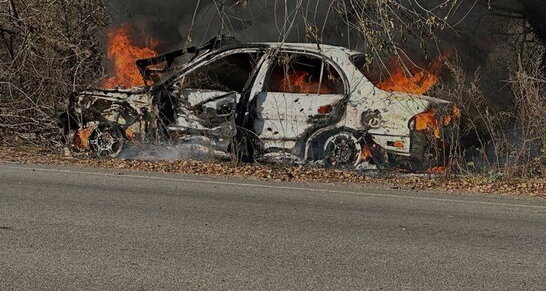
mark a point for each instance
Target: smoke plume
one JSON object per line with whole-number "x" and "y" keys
{"x": 480, "y": 32}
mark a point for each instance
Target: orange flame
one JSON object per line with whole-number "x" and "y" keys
{"x": 417, "y": 81}
{"x": 455, "y": 114}
{"x": 123, "y": 53}
{"x": 300, "y": 82}
{"x": 81, "y": 138}
{"x": 428, "y": 121}
{"x": 366, "y": 154}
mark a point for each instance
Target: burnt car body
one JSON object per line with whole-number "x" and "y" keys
{"x": 301, "y": 102}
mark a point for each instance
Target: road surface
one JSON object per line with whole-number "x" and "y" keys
{"x": 78, "y": 228}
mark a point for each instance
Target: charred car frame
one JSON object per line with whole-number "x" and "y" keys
{"x": 301, "y": 102}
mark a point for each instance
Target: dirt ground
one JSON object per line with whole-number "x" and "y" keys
{"x": 459, "y": 184}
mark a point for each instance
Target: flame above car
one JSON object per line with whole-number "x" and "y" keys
{"x": 413, "y": 79}
{"x": 123, "y": 53}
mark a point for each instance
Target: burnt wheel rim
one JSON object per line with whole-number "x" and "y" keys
{"x": 342, "y": 149}
{"x": 107, "y": 141}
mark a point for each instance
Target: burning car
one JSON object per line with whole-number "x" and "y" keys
{"x": 301, "y": 102}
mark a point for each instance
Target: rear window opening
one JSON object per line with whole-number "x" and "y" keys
{"x": 293, "y": 73}
{"x": 372, "y": 72}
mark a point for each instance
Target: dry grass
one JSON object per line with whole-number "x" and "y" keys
{"x": 509, "y": 141}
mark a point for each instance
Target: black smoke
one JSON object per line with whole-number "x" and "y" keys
{"x": 477, "y": 32}
{"x": 481, "y": 34}
{"x": 193, "y": 22}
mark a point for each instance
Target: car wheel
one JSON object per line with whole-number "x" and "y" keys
{"x": 340, "y": 149}
{"x": 107, "y": 141}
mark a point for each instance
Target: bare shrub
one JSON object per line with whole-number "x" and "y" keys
{"x": 529, "y": 150}
{"x": 507, "y": 141}
{"x": 48, "y": 49}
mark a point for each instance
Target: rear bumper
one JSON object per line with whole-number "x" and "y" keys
{"x": 423, "y": 146}
{"x": 394, "y": 144}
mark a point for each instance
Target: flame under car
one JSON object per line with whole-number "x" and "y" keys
{"x": 264, "y": 101}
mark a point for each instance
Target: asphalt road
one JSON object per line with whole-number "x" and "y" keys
{"x": 76, "y": 228}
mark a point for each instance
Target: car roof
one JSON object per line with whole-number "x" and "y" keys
{"x": 315, "y": 47}
{"x": 306, "y": 47}
{"x": 223, "y": 44}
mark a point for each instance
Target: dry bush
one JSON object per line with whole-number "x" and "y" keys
{"x": 529, "y": 150}
{"x": 502, "y": 141}
{"x": 48, "y": 49}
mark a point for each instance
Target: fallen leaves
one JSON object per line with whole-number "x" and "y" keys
{"x": 465, "y": 184}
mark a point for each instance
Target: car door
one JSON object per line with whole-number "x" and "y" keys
{"x": 299, "y": 93}
{"x": 208, "y": 94}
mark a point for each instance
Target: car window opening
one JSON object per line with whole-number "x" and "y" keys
{"x": 376, "y": 74}
{"x": 304, "y": 75}
{"x": 229, "y": 73}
